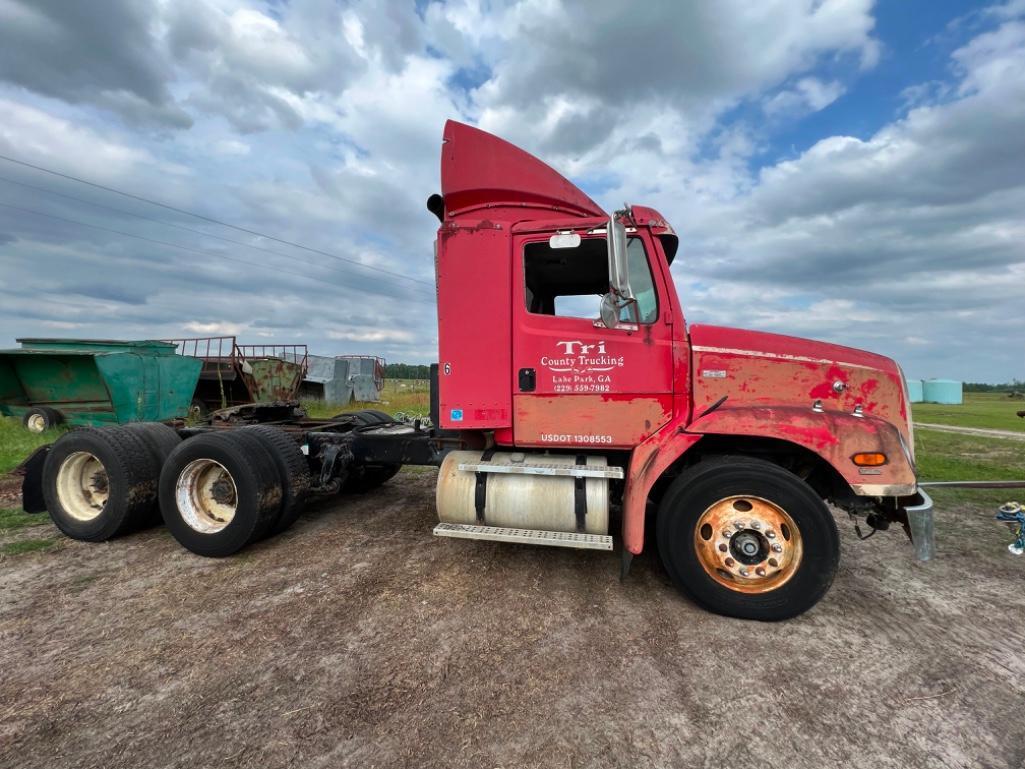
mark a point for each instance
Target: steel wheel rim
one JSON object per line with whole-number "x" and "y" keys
{"x": 83, "y": 487}
{"x": 36, "y": 423}
{"x": 748, "y": 544}
{"x": 207, "y": 496}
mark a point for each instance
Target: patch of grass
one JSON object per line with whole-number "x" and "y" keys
{"x": 16, "y": 442}
{"x": 27, "y": 546}
{"x": 951, "y": 457}
{"x": 18, "y": 519}
{"x": 988, "y": 410}
{"x": 407, "y": 396}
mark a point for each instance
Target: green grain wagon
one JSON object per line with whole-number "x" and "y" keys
{"x": 95, "y": 382}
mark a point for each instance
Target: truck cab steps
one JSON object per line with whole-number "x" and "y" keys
{"x": 524, "y": 536}
{"x": 541, "y": 468}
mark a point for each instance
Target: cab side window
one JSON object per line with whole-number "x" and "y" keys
{"x": 641, "y": 283}
{"x": 568, "y": 282}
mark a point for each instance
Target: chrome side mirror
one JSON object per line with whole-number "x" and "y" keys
{"x": 620, "y": 294}
{"x": 619, "y": 277}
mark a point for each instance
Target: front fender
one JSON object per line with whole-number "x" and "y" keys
{"x": 835, "y": 436}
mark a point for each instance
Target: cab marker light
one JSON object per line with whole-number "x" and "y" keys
{"x": 869, "y": 459}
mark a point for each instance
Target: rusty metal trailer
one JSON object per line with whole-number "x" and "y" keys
{"x": 234, "y": 374}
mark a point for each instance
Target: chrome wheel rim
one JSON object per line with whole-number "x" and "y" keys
{"x": 748, "y": 544}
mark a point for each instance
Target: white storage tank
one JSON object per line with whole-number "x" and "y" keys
{"x": 943, "y": 391}
{"x": 915, "y": 392}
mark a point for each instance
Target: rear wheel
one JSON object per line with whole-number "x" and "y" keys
{"x": 41, "y": 418}
{"x": 293, "y": 470}
{"x": 99, "y": 483}
{"x": 219, "y": 492}
{"x": 198, "y": 410}
{"x": 160, "y": 440}
{"x": 747, "y": 539}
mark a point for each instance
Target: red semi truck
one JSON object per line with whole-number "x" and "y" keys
{"x": 571, "y": 399}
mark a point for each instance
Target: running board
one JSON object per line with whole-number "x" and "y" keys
{"x": 526, "y": 468}
{"x": 524, "y": 536}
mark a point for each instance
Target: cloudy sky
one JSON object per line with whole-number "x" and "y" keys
{"x": 841, "y": 169}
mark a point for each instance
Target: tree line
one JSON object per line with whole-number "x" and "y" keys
{"x": 406, "y": 371}
{"x": 1017, "y": 385}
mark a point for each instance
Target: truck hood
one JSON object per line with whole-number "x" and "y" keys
{"x": 761, "y": 369}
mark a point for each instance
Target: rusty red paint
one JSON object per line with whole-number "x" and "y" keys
{"x": 832, "y": 435}
{"x": 593, "y": 421}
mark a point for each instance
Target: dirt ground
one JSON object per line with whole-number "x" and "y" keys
{"x": 357, "y": 639}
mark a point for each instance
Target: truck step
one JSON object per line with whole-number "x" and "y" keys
{"x": 538, "y": 468}
{"x": 524, "y": 536}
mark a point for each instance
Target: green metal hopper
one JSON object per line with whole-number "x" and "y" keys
{"x": 97, "y": 382}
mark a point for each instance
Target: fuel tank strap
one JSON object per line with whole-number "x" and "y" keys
{"x": 480, "y": 491}
{"x": 580, "y": 497}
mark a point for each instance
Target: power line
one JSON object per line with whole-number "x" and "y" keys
{"x": 144, "y": 238}
{"x": 206, "y": 218}
{"x": 201, "y": 232}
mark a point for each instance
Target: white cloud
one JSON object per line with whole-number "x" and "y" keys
{"x": 809, "y": 94}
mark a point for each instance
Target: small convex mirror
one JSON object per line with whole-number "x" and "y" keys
{"x": 564, "y": 240}
{"x": 609, "y": 310}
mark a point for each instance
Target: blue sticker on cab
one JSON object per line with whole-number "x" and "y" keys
{"x": 457, "y": 415}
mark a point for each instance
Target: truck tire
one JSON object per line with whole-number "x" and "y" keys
{"x": 746, "y": 538}
{"x": 368, "y": 417}
{"x": 374, "y": 416}
{"x": 293, "y": 469}
{"x": 38, "y": 419}
{"x": 369, "y": 477}
{"x": 219, "y": 492}
{"x": 99, "y": 483}
{"x": 198, "y": 410}
{"x": 160, "y": 440}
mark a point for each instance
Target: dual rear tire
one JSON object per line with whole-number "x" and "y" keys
{"x": 220, "y": 492}
{"x": 216, "y": 492}
{"x": 101, "y": 483}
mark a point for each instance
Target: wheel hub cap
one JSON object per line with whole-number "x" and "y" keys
{"x": 748, "y": 544}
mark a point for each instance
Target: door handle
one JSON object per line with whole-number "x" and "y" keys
{"x": 528, "y": 380}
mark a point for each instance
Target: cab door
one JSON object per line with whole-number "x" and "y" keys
{"x": 577, "y": 383}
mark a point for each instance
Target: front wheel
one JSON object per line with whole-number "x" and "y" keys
{"x": 748, "y": 539}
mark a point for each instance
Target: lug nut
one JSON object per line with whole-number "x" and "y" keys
{"x": 738, "y": 525}
{"x": 756, "y": 525}
{"x": 730, "y": 562}
{"x": 777, "y": 547}
{"x": 727, "y": 533}
{"x": 760, "y": 571}
{"x": 770, "y": 534}
{"x": 743, "y": 572}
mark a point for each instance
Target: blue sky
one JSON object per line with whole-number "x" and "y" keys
{"x": 839, "y": 169}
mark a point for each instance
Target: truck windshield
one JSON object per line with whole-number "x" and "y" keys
{"x": 568, "y": 282}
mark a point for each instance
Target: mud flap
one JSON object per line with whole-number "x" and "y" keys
{"x": 32, "y": 483}
{"x": 920, "y": 526}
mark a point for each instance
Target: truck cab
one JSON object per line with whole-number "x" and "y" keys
{"x": 562, "y": 339}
